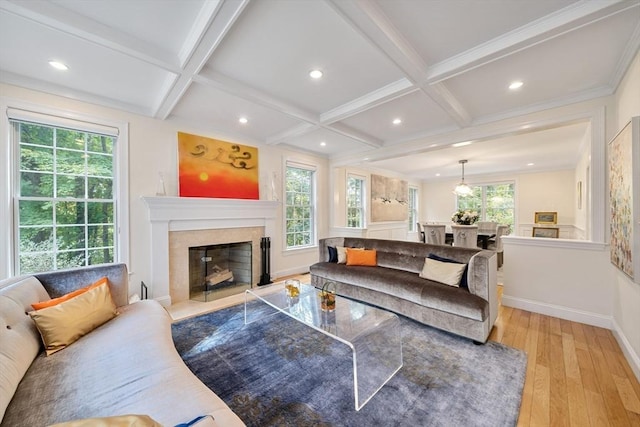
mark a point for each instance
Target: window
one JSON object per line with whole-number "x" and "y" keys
{"x": 413, "y": 209}
{"x": 494, "y": 202}
{"x": 300, "y": 200}
{"x": 65, "y": 212}
{"x": 355, "y": 202}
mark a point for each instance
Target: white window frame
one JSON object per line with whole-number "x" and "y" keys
{"x": 363, "y": 208}
{"x": 314, "y": 216}
{"x": 413, "y": 226}
{"x": 21, "y": 110}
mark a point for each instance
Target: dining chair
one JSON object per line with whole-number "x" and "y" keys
{"x": 421, "y": 236}
{"x": 465, "y": 236}
{"x": 489, "y": 227}
{"x": 435, "y": 233}
{"x": 495, "y": 244}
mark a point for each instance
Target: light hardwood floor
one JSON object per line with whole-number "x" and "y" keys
{"x": 576, "y": 373}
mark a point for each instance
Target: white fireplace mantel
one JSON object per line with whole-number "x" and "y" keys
{"x": 168, "y": 214}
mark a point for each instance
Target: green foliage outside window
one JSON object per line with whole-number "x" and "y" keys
{"x": 355, "y": 202}
{"x": 66, "y": 206}
{"x": 299, "y": 207}
{"x": 492, "y": 202}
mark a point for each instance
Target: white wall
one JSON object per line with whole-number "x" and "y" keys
{"x": 153, "y": 149}
{"x": 626, "y": 294}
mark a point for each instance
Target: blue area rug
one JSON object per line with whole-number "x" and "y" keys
{"x": 278, "y": 372}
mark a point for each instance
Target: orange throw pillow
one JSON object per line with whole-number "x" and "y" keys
{"x": 66, "y": 297}
{"x": 366, "y": 257}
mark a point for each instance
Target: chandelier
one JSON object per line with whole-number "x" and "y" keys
{"x": 462, "y": 189}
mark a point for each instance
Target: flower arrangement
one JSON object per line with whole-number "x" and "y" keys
{"x": 465, "y": 217}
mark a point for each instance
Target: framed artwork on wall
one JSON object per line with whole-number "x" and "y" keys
{"x": 218, "y": 169}
{"x": 546, "y": 218}
{"x": 624, "y": 210}
{"x": 389, "y": 199}
{"x": 551, "y": 232}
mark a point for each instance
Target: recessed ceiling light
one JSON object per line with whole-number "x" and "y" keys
{"x": 243, "y": 120}
{"x": 530, "y": 164}
{"x": 437, "y": 174}
{"x": 58, "y": 65}
{"x": 461, "y": 144}
{"x": 397, "y": 121}
{"x": 315, "y": 74}
{"x": 322, "y": 144}
{"x": 516, "y": 85}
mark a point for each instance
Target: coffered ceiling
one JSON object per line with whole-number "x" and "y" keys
{"x": 438, "y": 65}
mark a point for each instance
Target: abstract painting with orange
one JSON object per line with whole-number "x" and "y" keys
{"x": 212, "y": 168}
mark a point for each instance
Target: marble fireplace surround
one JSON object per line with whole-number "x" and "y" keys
{"x": 180, "y": 222}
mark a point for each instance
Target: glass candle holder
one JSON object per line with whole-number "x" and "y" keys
{"x": 292, "y": 288}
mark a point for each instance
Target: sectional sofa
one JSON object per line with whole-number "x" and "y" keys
{"x": 128, "y": 365}
{"x": 394, "y": 282}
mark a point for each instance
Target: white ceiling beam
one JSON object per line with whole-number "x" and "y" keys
{"x": 236, "y": 88}
{"x": 361, "y": 137}
{"x": 553, "y": 25}
{"x": 226, "y": 15}
{"x": 204, "y": 19}
{"x": 368, "y": 19}
{"x": 373, "y": 99}
{"x": 67, "y": 21}
{"x": 291, "y": 133}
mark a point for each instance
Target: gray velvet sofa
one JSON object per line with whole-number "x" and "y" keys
{"x": 394, "y": 284}
{"x": 128, "y": 365}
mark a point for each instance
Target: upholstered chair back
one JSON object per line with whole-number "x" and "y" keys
{"x": 465, "y": 236}
{"x": 487, "y": 227}
{"x": 421, "y": 235}
{"x": 435, "y": 233}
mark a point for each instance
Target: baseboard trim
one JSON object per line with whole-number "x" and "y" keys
{"x": 289, "y": 272}
{"x": 631, "y": 356}
{"x": 567, "y": 313}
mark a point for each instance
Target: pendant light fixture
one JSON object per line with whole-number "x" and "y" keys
{"x": 462, "y": 189}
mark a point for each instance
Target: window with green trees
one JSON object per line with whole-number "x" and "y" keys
{"x": 355, "y": 202}
{"x": 493, "y": 202}
{"x": 300, "y": 199}
{"x": 64, "y": 201}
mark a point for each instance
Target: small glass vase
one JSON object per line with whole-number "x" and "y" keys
{"x": 292, "y": 288}
{"x": 328, "y": 297}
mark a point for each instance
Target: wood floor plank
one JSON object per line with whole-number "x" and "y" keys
{"x": 596, "y": 408}
{"x": 524, "y": 418}
{"x": 540, "y": 402}
{"x": 578, "y": 412}
{"x": 558, "y": 402}
{"x": 628, "y": 395}
{"x": 555, "y": 328}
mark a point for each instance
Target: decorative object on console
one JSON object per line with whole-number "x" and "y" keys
{"x": 546, "y": 218}
{"x": 465, "y": 217}
{"x": 213, "y": 168}
{"x": 462, "y": 189}
{"x": 624, "y": 174}
{"x": 389, "y": 199}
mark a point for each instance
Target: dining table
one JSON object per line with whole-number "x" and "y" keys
{"x": 483, "y": 238}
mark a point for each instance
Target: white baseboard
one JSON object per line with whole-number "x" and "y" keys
{"x": 567, "y": 313}
{"x": 631, "y": 356}
{"x": 290, "y": 272}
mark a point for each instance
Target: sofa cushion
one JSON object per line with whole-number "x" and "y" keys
{"x": 408, "y": 286}
{"x": 66, "y": 297}
{"x": 361, "y": 257}
{"x": 463, "y": 280}
{"x": 63, "y": 324}
{"x": 20, "y": 342}
{"x": 130, "y": 420}
{"x": 443, "y": 272}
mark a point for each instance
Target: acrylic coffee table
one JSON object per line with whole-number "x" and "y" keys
{"x": 373, "y": 334}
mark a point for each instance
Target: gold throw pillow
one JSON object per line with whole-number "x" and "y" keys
{"x": 63, "y": 324}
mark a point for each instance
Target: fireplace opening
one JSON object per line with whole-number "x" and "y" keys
{"x": 217, "y": 271}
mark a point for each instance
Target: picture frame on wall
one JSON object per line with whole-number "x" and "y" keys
{"x": 546, "y": 218}
{"x": 624, "y": 208}
{"x": 549, "y": 232}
